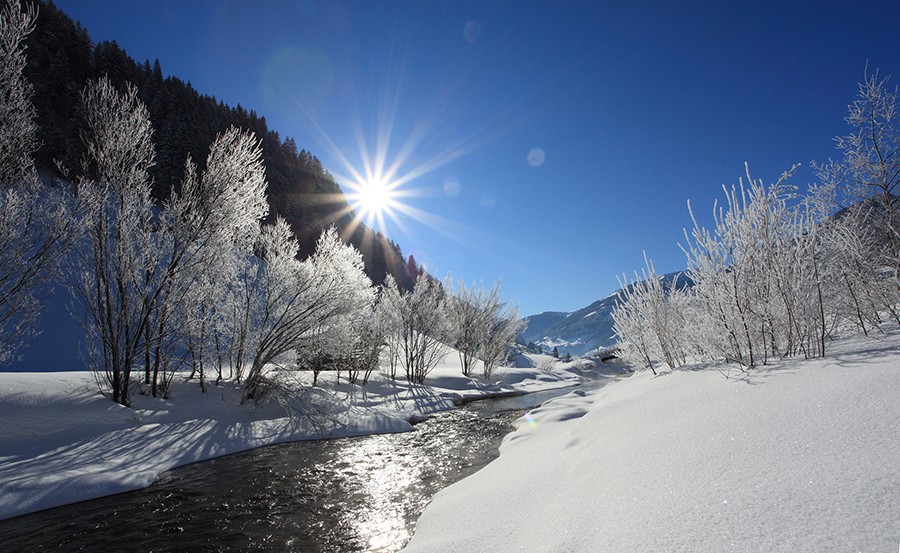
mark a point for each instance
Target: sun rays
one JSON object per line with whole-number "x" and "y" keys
{"x": 391, "y": 161}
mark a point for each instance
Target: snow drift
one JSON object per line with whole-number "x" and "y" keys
{"x": 801, "y": 456}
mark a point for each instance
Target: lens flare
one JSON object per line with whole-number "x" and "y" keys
{"x": 529, "y": 418}
{"x": 472, "y": 32}
{"x": 536, "y": 157}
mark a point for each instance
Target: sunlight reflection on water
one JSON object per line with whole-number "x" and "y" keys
{"x": 352, "y": 494}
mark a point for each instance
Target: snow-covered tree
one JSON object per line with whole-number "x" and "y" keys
{"x": 421, "y": 325}
{"x": 18, "y": 129}
{"x": 482, "y": 325}
{"x": 865, "y": 183}
{"x": 388, "y": 309}
{"x": 751, "y": 273}
{"x": 870, "y": 164}
{"x": 209, "y": 218}
{"x": 499, "y": 333}
{"x": 647, "y": 319}
{"x": 36, "y": 222}
{"x": 293, "y": 306}
{"x": 138, "y": 264}
{"x": 119, "y": 261}
{"x": 469, "y": 311}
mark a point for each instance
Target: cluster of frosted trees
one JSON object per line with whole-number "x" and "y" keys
{"x": 779, "y": 273}
{"x": 473, "y": 320}
{"x": 198, "y": 284}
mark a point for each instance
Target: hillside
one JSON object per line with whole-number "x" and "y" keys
{"x": 62, "y": 58}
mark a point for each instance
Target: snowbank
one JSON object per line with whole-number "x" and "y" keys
{"x": 62, "y": 442}
{"x": 799, "y": 457}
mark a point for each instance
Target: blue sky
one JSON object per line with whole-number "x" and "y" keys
{"x": 636, "y": 107}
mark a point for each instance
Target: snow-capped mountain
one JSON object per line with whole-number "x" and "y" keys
{"x": 583, "y": 330}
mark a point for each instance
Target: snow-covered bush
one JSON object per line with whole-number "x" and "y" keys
{"x": 648, "y": 320}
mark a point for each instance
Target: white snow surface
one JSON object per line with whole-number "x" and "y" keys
{"x": 61, "y": 441}
{"x": 798, "y": 456}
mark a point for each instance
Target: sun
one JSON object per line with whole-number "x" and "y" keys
{"x": 374, "y": 196}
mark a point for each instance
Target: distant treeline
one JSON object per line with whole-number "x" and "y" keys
{"x": 62, "y": 59}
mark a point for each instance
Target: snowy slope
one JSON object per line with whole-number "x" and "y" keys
{"x": 799, "y": 457}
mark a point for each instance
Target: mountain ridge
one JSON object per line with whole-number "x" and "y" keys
{"x": 581, "y": 331}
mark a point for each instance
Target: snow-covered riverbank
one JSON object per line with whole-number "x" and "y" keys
{"x": 800, "y": 456}
{"x": 61, "y": 441}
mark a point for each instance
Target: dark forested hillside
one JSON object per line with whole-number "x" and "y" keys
{"x": 62, "y": 58}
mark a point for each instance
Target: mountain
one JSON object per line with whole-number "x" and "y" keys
{"x": 577, "y": 332}
{"x": 583, "y": 330}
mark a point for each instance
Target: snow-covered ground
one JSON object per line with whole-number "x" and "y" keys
{"x": 61, "y": 441}
{"x": 801, "y": 456}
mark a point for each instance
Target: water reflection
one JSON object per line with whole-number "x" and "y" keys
{"x": 353, "y": 494}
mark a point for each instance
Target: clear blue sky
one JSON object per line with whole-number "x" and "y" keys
{"x": 637, "y": 106}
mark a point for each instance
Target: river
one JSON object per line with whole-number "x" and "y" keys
{"x": 349, "y": 494}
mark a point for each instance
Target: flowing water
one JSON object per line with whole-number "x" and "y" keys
{"x": 348, "y": 494}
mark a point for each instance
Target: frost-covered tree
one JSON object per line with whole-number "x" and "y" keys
{"x": 389, "y": 317}
{"x": 751, "y": 273}
{"x": 360, "y": 349}
{"x": 292, "y": 305}
{"x": 647, "y": 319}
{"x": 139, "y": 264}
{"x": 421, "y": 325}
{"x": 18, "y": 130}
{"x": 482, "y": 325}
{"x": 211, "y": 216}
{"x": 763, "y": 281}
{"x": 119, "y": 259}
{"x": 36, "y": 222}
{"x": 778, "y": 273}
{"x": 865, "y": 183}
{"x": 469, "y": 311}
{"x": 500, "y": 331}
{"x": 870, "y": 164}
